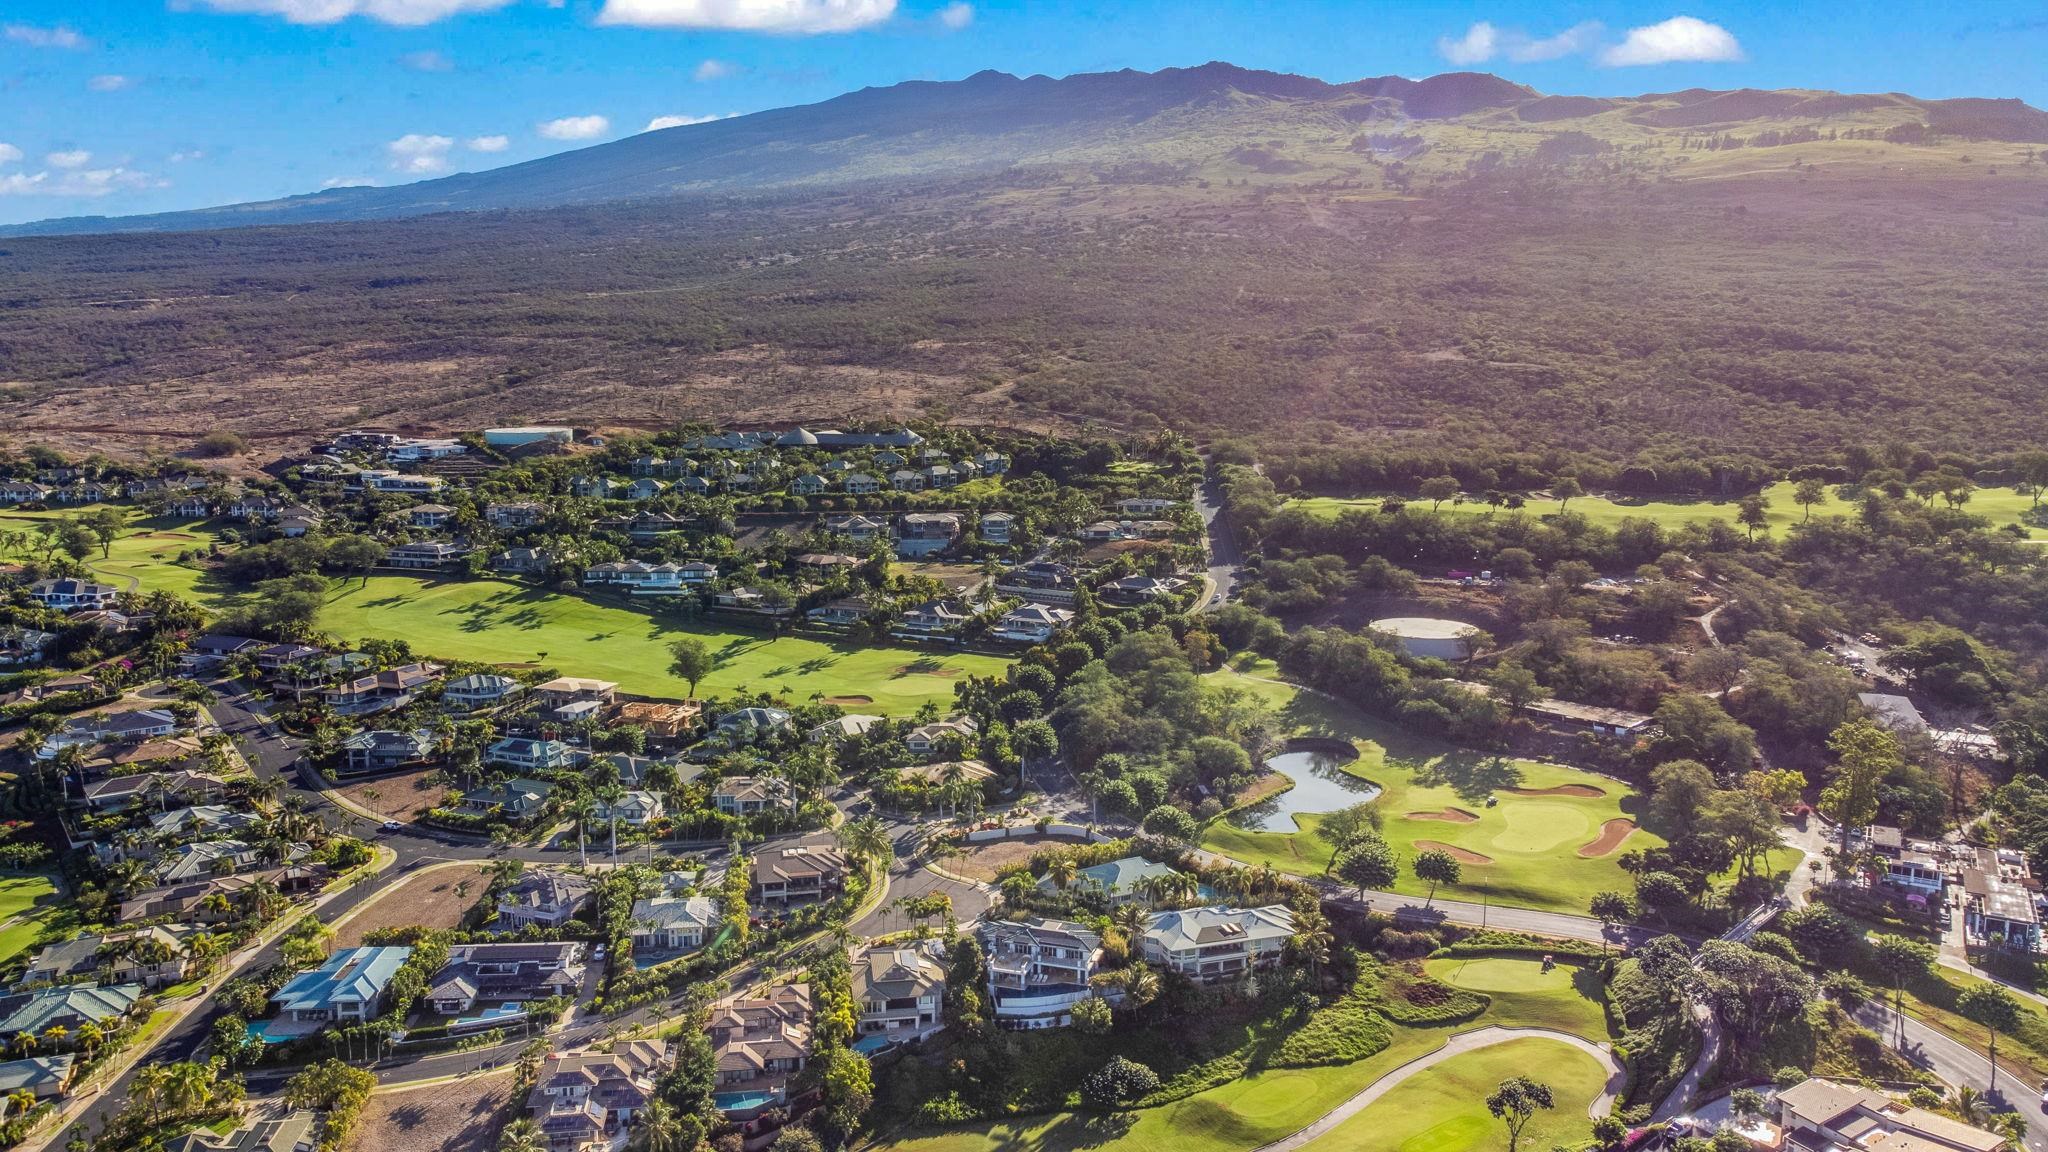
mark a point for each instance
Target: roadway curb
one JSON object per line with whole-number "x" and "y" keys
{"x": 385, "y": 894}
{"x": 438, "y": 1081}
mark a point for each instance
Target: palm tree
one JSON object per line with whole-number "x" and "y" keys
{"x": 55, "y": 1035}
{"x": 656, "y": 1128}
{"x": 866, "y": 838}
{"x": 90, "y": 1037}
{"x": 189, "y": 1086}
{"x": 1062, "y": 869}
{"x": 1128, "y": 920}
{"x": 1311, "y": 940}
{"x": 583, "y": 811}
{"x": 612, "y": 794}
{"x": 1140, "y": 986}
{"x": 522, "y": 1135}
{"x": 148, "y": 1089}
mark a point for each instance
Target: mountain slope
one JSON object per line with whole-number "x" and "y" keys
{"x": 1216, "y": 121}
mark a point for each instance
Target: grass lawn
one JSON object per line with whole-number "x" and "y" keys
{"x": 19, "y": 893}
{"x": 1531, "y": 843}
{"x": 148, "y": 554}
{"x": 1568, "y": 998}
{"x": 500, "y": 622}
{"x": 1444, "y": 1108}
{"x": 1998, "y": 505}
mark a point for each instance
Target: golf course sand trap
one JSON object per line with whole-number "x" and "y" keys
{"x": 1582, "y": 791}
{"x": 1612, "y": 834}
{"x": 1448, "y": 815}
{"x": 1461, "y": 855}
{"x": 843, "y": 701}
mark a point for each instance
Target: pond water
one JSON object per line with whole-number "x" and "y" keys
{"x": 1320, "y": 785}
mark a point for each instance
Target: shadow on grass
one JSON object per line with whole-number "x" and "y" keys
{"x": 1472, "y": 775}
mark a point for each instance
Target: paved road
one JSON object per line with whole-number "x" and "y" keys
{"x": 1617, "y": 1078}
{"x": 1224, "y": 556}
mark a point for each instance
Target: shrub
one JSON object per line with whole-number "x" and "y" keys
{"x": 1119, "y": 1082}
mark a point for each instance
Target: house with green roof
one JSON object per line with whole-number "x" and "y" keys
{"x": 1123, "y": 881}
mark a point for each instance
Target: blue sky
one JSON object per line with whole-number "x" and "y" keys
{"x": 120, "y": 106}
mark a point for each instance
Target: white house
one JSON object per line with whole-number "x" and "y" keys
{"x": 69, "y": 594}
{"x": 1038, "y": 969}
{"x": 672, "y": 923}
{"x": 1031, "y": 624}
{"x": 1212, "y": 944}
{"x": 899, "y": 990}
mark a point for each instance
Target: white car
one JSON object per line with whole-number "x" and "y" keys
{"x": 393, "y": 826}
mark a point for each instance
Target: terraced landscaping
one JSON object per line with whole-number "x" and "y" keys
{"x": 1531, "y": 834}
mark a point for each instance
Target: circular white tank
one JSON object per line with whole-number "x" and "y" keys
{"x": 1427, "y": 637}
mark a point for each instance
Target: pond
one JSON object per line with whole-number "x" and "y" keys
{"x": 1320, "y": 785}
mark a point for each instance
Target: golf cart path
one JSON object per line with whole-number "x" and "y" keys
{"x": 1457, "y": 1046}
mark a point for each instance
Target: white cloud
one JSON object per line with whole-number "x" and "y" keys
{"x": 1570, "y": 42}
{"x": 1679, "y": 38}
{"x": 187, "y": 157}
{"x": 1476, "y": 46}
{"x": 791, "y": 16}
{"x": 574, "y": 128}
{"x": 89, "y": 184}
{"x": 407, "y": 12}
{"x": 488, "y": 143}
{"x": 1483, "y": 41}
{"x": 420, "y": 155}
{"x": 957, "y": 15}
{"x": 77, "y": 158}
{"x": 57, "y": 37}
{"x": 110, "y": 83}
{"x": 9, "y": 153}
{"x": 428, "y": 61}
{"x": 713, "y": 70}
{"x": 347, "y": 182}
{"x": 660, "y": 122}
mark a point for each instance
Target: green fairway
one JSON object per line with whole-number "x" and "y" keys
{"x": 146, "y": 556}
{"x": 1523, "y": 850}
{"x": 1999, "y": 505}
{"x": 30, "y": 914}
{"x": 500, "y": 622}
{"x": 1240, "y": 1115}
{"x": 1443, "y": 1108}
{"x": 1568, "y": 998}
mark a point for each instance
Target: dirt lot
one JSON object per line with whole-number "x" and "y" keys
{"x": 434, "y": 899}
{"x": 982, "y": 861}
{"x": 404, "y": 795}
{"x": 463, "y": 1116}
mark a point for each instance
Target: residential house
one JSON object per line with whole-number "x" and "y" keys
{"x": 191, "y": 506}
{"x": 70, "y": 594}
{"x": 384, "y": 750}
{"x": 859, "y": 529}
{"x": 145, "y": 789}
{"x": 996, "y": 527}
{"x": 500, "y": 974}
{"x": 1145, "y": 506}
{"x": 594, "y": 487}
{"x": 992, "y": 463}
{"x": 132, "y": 727}
{"x": 568, "y": 699}
{"x": 750, "y": 795}
{"x": 303, "y": 680}
{"x": 799, "y": 872}
{"x": 1823, "y": 1115}
{"x": 411, "y": 450}
{"x": 429, "y": 515}
{"x": 210, "y": 650}
{"x": 840, "y": 729}
{"x": 350, "y": 987}
{"x": 210, "y": 820}
{"x": 665, "y": 720}
{"x": 295, "y": 1131}
{"x": 636, "y": 808}
{"x": 890, "y": 458}
{"x": 1122, "y": 881}
{"x": 255, "y": 508}
{"x": 938, "y": 772}
{"x": 933, "y": 618}
{"x": 900, "y": 991}
{"x": 382, "y": 481}
{"x": 514, "y": 516}
{"x": 43, "y": 1077}
{"x": 658, "y": 466}
{"x": 1031, "y": 624}
{"x": 645, "y": 488}
{"x": 208, "y": 858}
{"x": 424, "y": 554}
{"x": 933, "y": 739}
{"x": 669, "y": 923}
{"x": 1917, "y": 872}
{"x": 839, "y": 613}
{"x": 1038, "y": 969}
{"x": 807, "y": 484}
{"x": 1214, "y": 944}
{"x": 752, "y": 601}
{"x": 904, "y": 480}
{"x": 22, "y": 492}
{"x": 542, "y": 899}
{"x": 586, "y": 1102}
{"x": 860, "y": 484}
{"x": 518, "y": 799}
{"x": 743, "y": 724}
{"x": 1142, "y": 589}
{"x": 940, "y": 476}
{"x": 1894, "y": 712}
{"x": 278, "y": 657}
{"x": 1998, "y": 904}
{"x": 1040, "y": 581}
{"x": 478, "y": 691}
{"x": 524, "y": 561}
{"x": 640, "y": 578}
{"x": 821, "y": 564}
{"x": 20, "y": 645}
{"x": 694, "y": 486}
{"x": 526, "y": 754}
{"x": 759, "y": 1044}
{"x": 70, "y": 1007}
{"x": 153, "y": 957}
{"x": 924, "y": 533}
{"x": 379, "y": 691}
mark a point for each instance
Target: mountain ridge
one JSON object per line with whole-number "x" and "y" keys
{"x": 1188, "y": 121}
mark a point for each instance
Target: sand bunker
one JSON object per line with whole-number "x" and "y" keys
{"x": 1462, "y": 855}
{"x": 843, "y": 701}
{"x": 1582, "y": 791}
{"x": 1451, "y": 815}
{"x": 1612, "y": 834}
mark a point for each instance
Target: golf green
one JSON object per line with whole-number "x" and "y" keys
{"x": 1443, "y": 1108}
{"x": 1518, "y": 825}
{"x": 1568, "y": 998}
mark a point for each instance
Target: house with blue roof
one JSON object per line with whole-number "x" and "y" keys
{"x": 350, "y": 987}
{"x": 1123, "y": 881}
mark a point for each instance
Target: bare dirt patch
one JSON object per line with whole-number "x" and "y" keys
{"x": 983, "y": 861}
{"x": 401, "y": 796}
{"x": 1270, "y": 784}
{"x": 1448, "y": 815}
{"x": 1582, "y": 791}
{"x": 1611, "y": 835}
{"x": 1461, "y": 855}
{"x": 431, "y": 900}
{"x": 464, "y": 1116}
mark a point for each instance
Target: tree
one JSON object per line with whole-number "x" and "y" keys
{"x": 1093, "y": 1017}
{"x": 1994, "y": 1008}
{"x": 1809, "y": 492}
{"x": 1034, "y": 740}
{"x": 1120, "y": 1081}
{"x": 1438, "y": 489}
{"x": 1171, "y": 824}
{"x": 690, "y": 661}
{"x": 866, "y": 839}
{"x": 1516, "y": 1102}
{"x": 1437, "y": 867}
{"x": 1866, "y": 753}
{"x": 1610, "y": 908}
{"x": 1753, "y": 513}
{"x": 1368, "y": 864}
{"x": 1566, "y": 489}
{"x": 1900, "y": 958}
{"x": 1345, "y": 827}
{"x": 1516, "y": 686}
